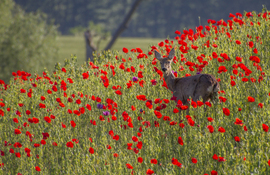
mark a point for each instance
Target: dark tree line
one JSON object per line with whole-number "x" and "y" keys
{"x": 154, "y": 18}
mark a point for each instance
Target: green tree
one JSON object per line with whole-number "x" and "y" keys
{"x": 27, "y": 42}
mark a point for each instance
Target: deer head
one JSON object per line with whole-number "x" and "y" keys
{"x": 165, "y": 63}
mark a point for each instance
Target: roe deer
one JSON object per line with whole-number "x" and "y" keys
{"x": 201, "y": 85}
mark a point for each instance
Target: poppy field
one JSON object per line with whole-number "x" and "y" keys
{"x": 116, "y": 116}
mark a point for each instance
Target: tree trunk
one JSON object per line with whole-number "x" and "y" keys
{"x": 124, "y": 24}
{"x": 90, "y": 47}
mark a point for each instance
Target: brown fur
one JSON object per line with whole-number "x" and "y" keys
{"x": 202, "y": 85}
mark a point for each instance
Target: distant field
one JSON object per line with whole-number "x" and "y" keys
{"x": 76, "y": 45}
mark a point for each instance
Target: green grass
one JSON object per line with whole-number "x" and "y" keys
{"x": 75, "y": 45}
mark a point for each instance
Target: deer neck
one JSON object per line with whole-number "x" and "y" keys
{"x": 169, "y": 79}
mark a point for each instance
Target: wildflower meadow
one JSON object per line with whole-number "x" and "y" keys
{"x": 116, "y": 116}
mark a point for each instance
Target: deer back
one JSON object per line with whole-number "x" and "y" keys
{"x": 194, "y": 86}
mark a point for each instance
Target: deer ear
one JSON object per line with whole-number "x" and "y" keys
{"x": 157, "y": 55}
{"x": 171, "y": 54}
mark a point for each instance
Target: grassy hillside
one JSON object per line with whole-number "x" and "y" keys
{"x": 116, "y": 116}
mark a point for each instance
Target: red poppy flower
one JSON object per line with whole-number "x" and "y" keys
{"x": 45, "y": 135}
{"x": 118, "y": 92}
{"x": 36, "y": 145}
{"x": 238, "y": 59}
{"x": 149, "y": 172}
{"x": 250, "y": 43}
{"x": 64, "y": 70}
{"x": 54, "y": 144}
{"x": 18, "y": 154}
{"x": 210, "y": 128}
{"x": 108, "y": 147}
{"x": 166, "y": 118}
{"x": 184, "y": 107}
{"x": 210, "y": 119}
{"x": 54, "y": 88}
{"x": 116, "y": 137}
{"x": 47, "y": 119}
{"x": 238, "y": 122}
{"x": 37, "y": 168}
{"x": 237, "y": 139}
{"x": 194, "y": 160}
{"x": 125, "y": 50}
{"x": 208, "y": 103}
{"x": 222, "y": 69}
{"x": 111, "y": 133}
{"x": 215, "y": 45}
{"x": 244, "y": 79}
{"x": 161, "y": 44}
{"x": 136, "y": 150}
{"x": 260, "y": 105}
{"x": 158, "y": 114}
{"x": 140, "y": 159}
{"x": 215, "y": 157}
{"x": 27, "y": 150}
{"x": 42, "y": 105}
{"x": 153, "y": 161}
{"x": 221, "y": 129}
{"x": 255, "y": 59}
{"x": 221, "y": 159}
{"x": 17, "y": 131}
{"x": 85, "y": 75}
{"x": 213, "y": 172}
{"x": 191, "y": 122}
{"x": 17, "y": 145}
{"x": 115, "y": 155}
{"x": 11, "y": 150}
{"x": 199, "y": 103}
{"x": 69, "y": 144}
{"x": 141, "y": 97}
{"x": 135, "y": 139}
{"x": 22, "y": 90}
{"x": 73, "y": 124}
{"x": 180, "y": 141}
{"x": 175, "y": 110}
{"x": 49, "y": 91}
{"x": 28, "y": 112}
{"x": 43, "y": 142}
{"x": 140, "y": 144}
{"x": 15, "y": 120}
{"x": 177, "y": 32}
{"x": 265, "y": 127}
{"x": 251, "y": 99}
{"x": 139, "y": 50}
{"x": 249, "y": 14}
{"x": 226, "y": 111}
{"x": 182, "y": 125}
{"x": 129, "y": 166}
{"x": 173, "y": 123}
{"x": 238, "y": 42}
{"x": 233, "y": 83}
{"x": 255, "y": 50}
{"x": 174, "y": 161}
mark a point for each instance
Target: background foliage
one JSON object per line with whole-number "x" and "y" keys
{"x": 153, "y": 18}
{"x": 27, "y": 41}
